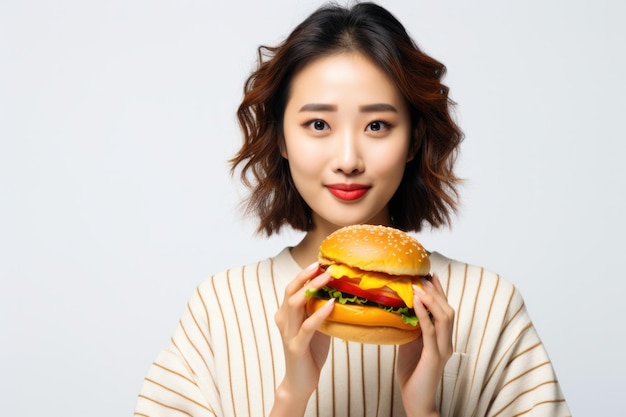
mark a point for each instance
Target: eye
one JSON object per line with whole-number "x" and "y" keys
{"x": 317, "y": 125}
{"x": 378, "y": 126}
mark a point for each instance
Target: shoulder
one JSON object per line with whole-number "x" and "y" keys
{"x": 225, "y": 293}
{"x": 475, "y": 291}
{"x": 275, "y": 271}
{"x": 458, "y": 275}
{"x": 495, "y": 343}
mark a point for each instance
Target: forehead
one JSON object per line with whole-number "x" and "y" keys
{"x": 343, "y": 76}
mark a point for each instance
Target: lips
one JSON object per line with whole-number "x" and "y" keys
{"x": 348, "y": 192}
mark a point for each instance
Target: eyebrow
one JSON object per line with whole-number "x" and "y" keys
{"x": 318, "y": 107}
{"x": 378, "y": 107}
{"x": 368, "y": 108}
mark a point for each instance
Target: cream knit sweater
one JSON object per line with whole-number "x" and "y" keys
{"x": 226, "y": 357}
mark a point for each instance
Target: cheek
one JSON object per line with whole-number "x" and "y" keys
{"x": 303, "y": 154}
{"x": 304, "y": 157}
{"x": 392, "y": 173}
{"x": 389, "y": 160}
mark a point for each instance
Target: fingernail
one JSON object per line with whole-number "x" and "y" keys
{"x": 312, "y": 267}
{"x": 417, "y": 292}
{"x": 329, "y": 303}
{"x": 427, "y": 282}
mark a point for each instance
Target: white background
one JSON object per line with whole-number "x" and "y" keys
{"x": 116, "y": 121}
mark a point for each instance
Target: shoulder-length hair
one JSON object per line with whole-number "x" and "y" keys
{"x": 428, "y": 190}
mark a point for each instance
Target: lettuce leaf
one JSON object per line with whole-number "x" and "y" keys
{"x": 408, "y": 314}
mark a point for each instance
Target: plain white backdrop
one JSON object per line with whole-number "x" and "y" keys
{"x": 116, "y": 122}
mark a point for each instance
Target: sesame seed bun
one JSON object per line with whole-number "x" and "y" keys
{"x": 375, "y": 248}
{"x": 389, "y": 256}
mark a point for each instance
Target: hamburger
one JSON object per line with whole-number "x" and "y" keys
{"x": 373, "y": 270}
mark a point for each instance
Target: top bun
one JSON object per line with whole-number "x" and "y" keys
{"x": 375, "y": 248}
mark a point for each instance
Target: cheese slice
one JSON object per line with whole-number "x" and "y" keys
{"x": 402, "y": 285}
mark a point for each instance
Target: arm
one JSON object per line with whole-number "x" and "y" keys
{"x": 305, "y": 349}
{"x": 181, "y": 378}
{"x": 421, "y": 362}
{"x": 500, "y": 366}
{"x": 523, "y": 378}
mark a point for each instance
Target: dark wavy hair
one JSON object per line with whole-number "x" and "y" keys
{"x": 428, "y": 190}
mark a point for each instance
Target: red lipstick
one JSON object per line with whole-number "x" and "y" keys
{"x": 348, "y": 192}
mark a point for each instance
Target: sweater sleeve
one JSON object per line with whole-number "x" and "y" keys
{"x": 522, "y": 381}
{"x": 500, "y": 367}
{"x": 181, "y": 379}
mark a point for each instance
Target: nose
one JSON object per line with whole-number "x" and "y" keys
{"x": 347, "y": 154}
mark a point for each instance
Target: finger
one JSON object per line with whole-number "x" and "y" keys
{"x": 433, "y": 316}
{"x": 442, "y": 312}
{"x": 420, "y": 305}
{"x": 436, "y": 290}
{"x": 318, "y": 282}
{"x": 437, "y": 283}
{"x": 430, "y": 299}
{"x": 303, "y": 276}
{"x": 292, "y": 313}
{"x": 299, "y": 298}
{"x": 423, "y": 316}
{"x": 437, "y": 301}
{"x": 433, "y": 287}
{"x": 312, "y": 323}
{"x": 284, "y": 317}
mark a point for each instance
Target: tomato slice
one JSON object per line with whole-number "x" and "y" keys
{"x": 385, "y": 296}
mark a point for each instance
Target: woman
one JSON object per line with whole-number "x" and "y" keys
{"x": 347, "y": 122}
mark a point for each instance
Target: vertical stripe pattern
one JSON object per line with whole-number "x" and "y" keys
{"x": 226, "y": 357}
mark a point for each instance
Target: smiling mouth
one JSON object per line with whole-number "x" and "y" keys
{"x": 348, "y": 192}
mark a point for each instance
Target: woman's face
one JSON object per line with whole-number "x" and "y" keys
{"x": 347, "y": 133}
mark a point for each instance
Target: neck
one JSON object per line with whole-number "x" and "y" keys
{"x": 305, "y": 252}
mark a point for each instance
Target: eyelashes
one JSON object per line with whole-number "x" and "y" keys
{"x": 377, "y": 125}
{"x": 318, "y": 125}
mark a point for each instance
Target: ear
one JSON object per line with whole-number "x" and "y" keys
{"x": 283, "y": 149}
{"x": 410, "y": 156}
{"x": 415, "y": 143}
{"x": 413, "y": 148}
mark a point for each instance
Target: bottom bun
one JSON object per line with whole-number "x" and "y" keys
{"x": 378, "y": 335}
{"x": 364, "y": 324}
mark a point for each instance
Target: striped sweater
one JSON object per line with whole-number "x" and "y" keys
{"x": 226, "y": 357}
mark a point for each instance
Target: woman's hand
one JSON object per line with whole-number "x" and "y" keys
{"x": 421, "y": 362}
{"x": 305, "y": 348}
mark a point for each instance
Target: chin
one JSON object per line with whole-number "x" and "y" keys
{"x": 347, "y": 216}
